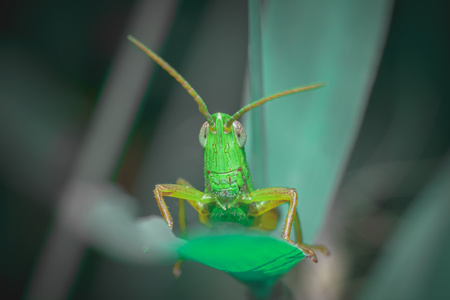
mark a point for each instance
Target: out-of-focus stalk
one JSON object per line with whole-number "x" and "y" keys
{"x": 102, "y": 147}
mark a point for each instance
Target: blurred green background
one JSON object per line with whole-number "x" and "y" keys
{"x": 60, "y": 61}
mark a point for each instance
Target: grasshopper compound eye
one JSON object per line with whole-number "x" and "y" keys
{"x": 239, "y": 133}
{"x": 203, "y": 135}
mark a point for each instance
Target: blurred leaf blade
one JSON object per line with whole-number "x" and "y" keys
{"x": 419, "y": 243}
{"x": 308, "y": 42}
{"x": 102, "y": 215}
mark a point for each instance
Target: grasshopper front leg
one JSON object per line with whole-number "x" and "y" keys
{"x": 196, "y": 198}
{"x": 183, "y": 191}
{"x": 266, "y": 199}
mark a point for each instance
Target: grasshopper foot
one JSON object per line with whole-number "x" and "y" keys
{"x": 307, "y": 250}
{"x": 177, "y": 268}
{"x": 310, "y": 250}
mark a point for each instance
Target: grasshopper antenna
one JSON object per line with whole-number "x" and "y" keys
{"x": 201, "y": 105}
{"x": 257, "y": 103}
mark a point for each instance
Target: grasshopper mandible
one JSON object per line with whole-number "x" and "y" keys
{"x": 229, "y": 195}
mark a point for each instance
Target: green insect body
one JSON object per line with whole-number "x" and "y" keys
{"x": 229, "y": 195}
{"x": 227, "y": 176}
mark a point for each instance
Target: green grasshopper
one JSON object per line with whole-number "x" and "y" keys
{"x": 229, "y": 195}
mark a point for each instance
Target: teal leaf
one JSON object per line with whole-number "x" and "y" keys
{"x": 310, "y": 135}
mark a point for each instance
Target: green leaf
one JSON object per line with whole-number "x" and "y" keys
{"x": 257, "y": 260}
{"x": 246, "y": 256}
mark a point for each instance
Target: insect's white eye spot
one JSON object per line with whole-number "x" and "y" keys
{"x": 203, "y": 135}
{"x": 239, "y": 134}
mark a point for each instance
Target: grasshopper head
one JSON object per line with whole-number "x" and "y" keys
{"x": 222, "y": 144}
